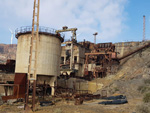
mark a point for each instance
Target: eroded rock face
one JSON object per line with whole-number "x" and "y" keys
{"x": 7, "y": 51}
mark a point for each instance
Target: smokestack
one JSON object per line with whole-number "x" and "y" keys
{"x": 143, "y": 28}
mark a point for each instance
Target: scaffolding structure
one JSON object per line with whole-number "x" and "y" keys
{"x": 32, "y": 74}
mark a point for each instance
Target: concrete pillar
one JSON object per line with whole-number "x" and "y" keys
{"x": 52, "y": 90}
{"x": 52, "y": 84}
{"x": 64, "y": 59}
{"x": 122, "y": 49}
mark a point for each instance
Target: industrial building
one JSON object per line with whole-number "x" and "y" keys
{"x": 45, "y": 64}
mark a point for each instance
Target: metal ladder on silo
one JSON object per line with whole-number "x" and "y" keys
{"x": 32, "y": 74}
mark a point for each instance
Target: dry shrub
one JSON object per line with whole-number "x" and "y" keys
{"x": 143, "y": 109}
{"x": 146, "y": 97}
{"x": 143, "y": 88}
{"x": 147, "y": 81}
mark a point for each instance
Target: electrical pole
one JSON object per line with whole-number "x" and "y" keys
{"x": 95, "y": 37}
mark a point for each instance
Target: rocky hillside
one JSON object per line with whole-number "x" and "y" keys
{"x": 7, "y": 51}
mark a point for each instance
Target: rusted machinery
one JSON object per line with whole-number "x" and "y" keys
{"x": 103, "y": 56}
{"x": 77, "y": 95}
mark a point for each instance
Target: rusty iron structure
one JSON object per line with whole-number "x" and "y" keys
{"x": 102, "y": 56}
{"x": 78, "y": 101}
{"x": 106, "y": 60}
{"x": 77, "y": 95}
{"x": 9, "y": 67}
{"x": 66, "y": 29}
{"x": 19, "y": 87}
{"x": 32, "y": 75}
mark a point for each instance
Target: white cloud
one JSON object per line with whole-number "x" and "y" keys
{"x": 89, "y": 16}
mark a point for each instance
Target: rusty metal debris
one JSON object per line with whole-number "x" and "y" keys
{"x": 19, "y": 87}
{"x": 9, "y": 67}
{"x": 78, "y": 95}
{"x": 78, "y": 101}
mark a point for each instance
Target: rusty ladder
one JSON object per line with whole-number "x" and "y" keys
{"x": 32, "y": 73}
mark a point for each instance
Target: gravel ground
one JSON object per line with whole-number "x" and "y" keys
{"x": 69, "y": 107}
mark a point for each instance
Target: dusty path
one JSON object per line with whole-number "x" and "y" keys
{"x": 64, "y": 107}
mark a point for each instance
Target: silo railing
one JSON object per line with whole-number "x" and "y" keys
{"x": 28, "y": 29}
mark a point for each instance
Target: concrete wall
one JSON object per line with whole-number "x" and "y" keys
{"x": 80, "y": 84}
{"x": 79, "y": 53}
{"x": 125, "y": 47}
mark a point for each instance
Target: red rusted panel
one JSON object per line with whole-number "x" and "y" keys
{"x": 114, "y": 55}
{"x": 21, "y": 79}
{"x": 19, "y": 87}
{"x": 11, "y": 97}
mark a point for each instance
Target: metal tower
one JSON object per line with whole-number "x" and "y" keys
{"x": 95, "y": 37}
{"x": 32, "y": 75}
{"x": 144, "y": 28}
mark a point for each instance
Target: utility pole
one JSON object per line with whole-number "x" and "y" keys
{"x": 143, "y": 28}
{"x": 95, "y": 37}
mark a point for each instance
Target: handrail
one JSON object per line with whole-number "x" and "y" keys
{"x": 42, "y": 29}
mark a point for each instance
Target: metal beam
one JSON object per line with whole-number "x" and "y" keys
{"x": 66, "y": 30}
{"x": 99, "y": 53}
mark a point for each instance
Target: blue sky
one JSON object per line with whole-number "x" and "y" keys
{"x": 114, "y": 20}
{"x": 135, "y": 10}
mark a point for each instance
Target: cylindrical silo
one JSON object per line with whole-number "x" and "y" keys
{"x": 48, "y": 53}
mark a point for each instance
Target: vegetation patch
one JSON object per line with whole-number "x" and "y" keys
{"x": 143, "y": 109}
{"x": 144, "y": 88}
{"x": 116, "y": 89}
{"x": 146, "y": 97}
{"x": 147, "y": 81}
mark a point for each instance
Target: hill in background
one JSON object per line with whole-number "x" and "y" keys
{"x": 7, "y": 51}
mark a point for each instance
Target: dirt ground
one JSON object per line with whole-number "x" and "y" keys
{"x": 69, "y": 107}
